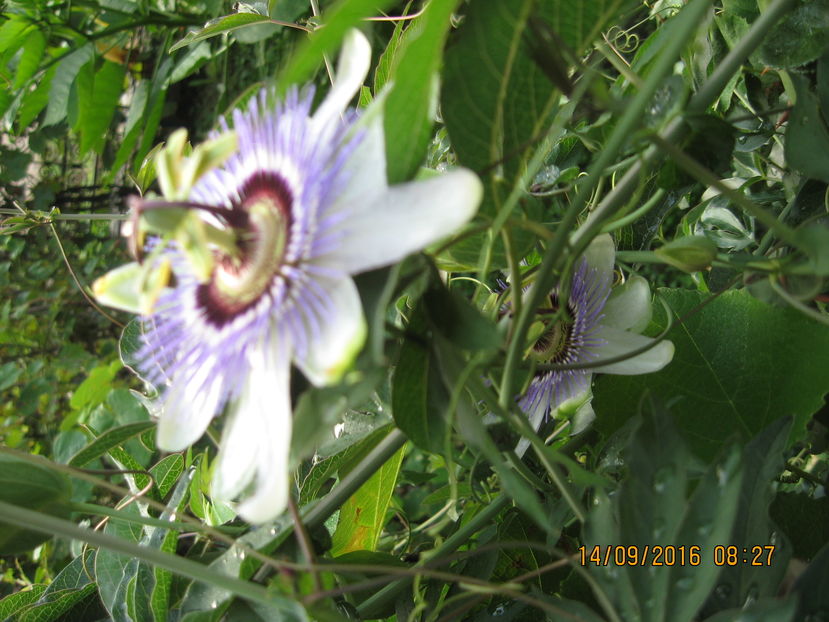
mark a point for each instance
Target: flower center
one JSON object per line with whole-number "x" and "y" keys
{"x": 555, "y": 345}
{"x": 240, "y": 280}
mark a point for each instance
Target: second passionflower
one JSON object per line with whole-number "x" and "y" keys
{"x": 600, "y": 323}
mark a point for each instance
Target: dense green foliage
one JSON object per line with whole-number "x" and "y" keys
{"x": 696, "y": 133}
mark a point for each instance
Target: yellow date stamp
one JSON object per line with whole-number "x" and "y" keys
{"x": 671, "y": 555}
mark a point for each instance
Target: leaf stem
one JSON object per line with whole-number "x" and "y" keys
{"x": 459, "y": 538}
{"x": 29, "y": 519}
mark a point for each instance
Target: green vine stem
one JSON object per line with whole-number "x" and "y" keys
{"x": 690, "y": 18}
{"x": 29, "y": 519}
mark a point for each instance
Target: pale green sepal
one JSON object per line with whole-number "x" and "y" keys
{"x": 208, "y": 155}
{"x": 167, "y": 164}
{"x": 133, "y": 287}
{"x": 179, "y": 166}
{"x": 629, "y": 305}
{"x": 163, "y": 221}
{"x": 689, "y": 254}
{"x": 121, "y": 288}
{"x": 601, "y": 255}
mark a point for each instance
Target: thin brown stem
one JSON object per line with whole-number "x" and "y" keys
{"x": 78, "y": 282}
{"x": 304, "y": 540}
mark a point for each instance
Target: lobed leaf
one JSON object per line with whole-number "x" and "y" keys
{"x": 739, "y": 365}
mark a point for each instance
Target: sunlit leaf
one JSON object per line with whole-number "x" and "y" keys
{"x": 363, "y": 516}
{"x": 67, "y": 71}
{"x": 33, "y": 50}
{"x": 96, "y": 116}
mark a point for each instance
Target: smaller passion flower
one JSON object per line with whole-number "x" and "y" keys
{"x": 257, "y": 276}
{"x": 599, "y": 323}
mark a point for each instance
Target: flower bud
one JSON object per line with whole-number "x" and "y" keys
{"x": 689, "y": 254}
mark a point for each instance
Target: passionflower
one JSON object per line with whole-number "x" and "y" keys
{"x": 599, "y": 323}
{"x": 300, "y": 205}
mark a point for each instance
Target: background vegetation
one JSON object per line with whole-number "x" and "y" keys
{"x": 696, "y": 132}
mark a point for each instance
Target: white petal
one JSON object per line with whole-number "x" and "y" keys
{"x": 629, "y": 306}
{"x": 256, "y": 445}
{"x": 407, "y": 218}
{"x": 621, "y": 342}
{"x": 365, "y": 169}
{"x": 352, "y": 68}
{"x": 189, "y": 405}
{"x": 239, "y": 451}
{"x": 601, "y": 255}
{"x": 340, "y": 334}
{"x": 561, "y": 401}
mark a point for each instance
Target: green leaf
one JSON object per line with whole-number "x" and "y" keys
{"x": 800, "y": 37}
{"x": 67, "y": 70}
{"x": 138, "y": 480}
{"x": 35, "y": 487}
{"x": 130, "y": 344}
{"x": 389, "y": 58}
{"x": 807, "y": 135}
{"x": 804, "y": 519}
{"x": 67, "y": 590}
{"x": 762, "y": 463}
{"x": 363, "y": 515}
{"x": 352, "y": 428}
{"x": 9, "y": 373}
{"x": 160, "y": 599}
{"x": 153, "y": 112}
{"x": 114, "y": 572}
{"x": 166, "y": 472}
{"x": 17, "y": 602}
{"x": 811, "y": 587}
{"x": 13, "y": 34}
{"x": 96, "y": 116}
{"x": 132, "y": 127}
{"x": 221, "y": 25}
{"x": 232, "y": 563}
{"x": 655, "y": 506}
{"x": 496, "y": 97}
{"x": 287, "y": 10}
{"x": 33, "y": 50}
{"x": 724, "y": 380}
{"x": 409, "y": 107}
{"x": 191, "y": 61}
{"x": 320, "y": 409}
{"x": 96, "y": 387}
{"x": 416, "y": 389}
{"x": 35, "y": 100}
{"x": 60, "y": 604}
{"x": 475, "y": 105}
{"x": 335, "y": 22}
{"x": 764, "y": 610}
{"x": 459, "y": 321}
{"x": 108, "y": 440}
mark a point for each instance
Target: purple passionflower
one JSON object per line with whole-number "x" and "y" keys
{"x": 306, "y": 200}
{"x": 600, "y": 323}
